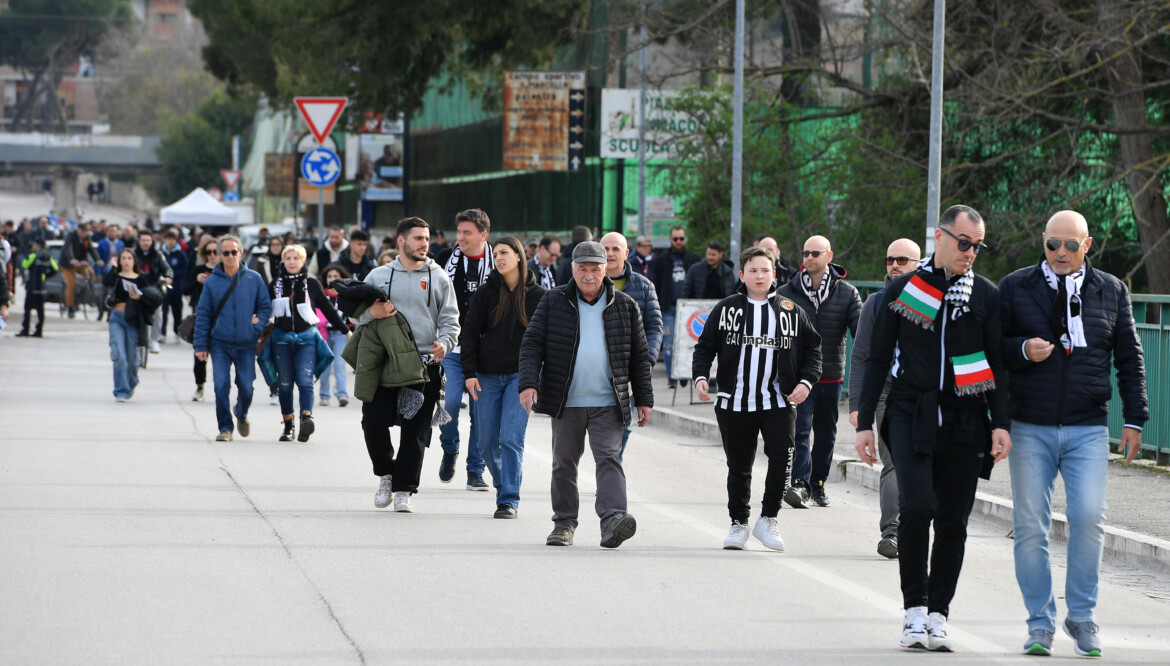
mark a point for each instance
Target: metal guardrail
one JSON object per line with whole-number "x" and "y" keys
{"x": 1152, "y": 314}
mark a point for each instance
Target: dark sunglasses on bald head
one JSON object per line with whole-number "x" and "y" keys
{"x": 902, "y": 261}
{"x": 1072, "y": 245}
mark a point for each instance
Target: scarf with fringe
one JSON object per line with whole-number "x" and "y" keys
{"x": 282, "y": 305}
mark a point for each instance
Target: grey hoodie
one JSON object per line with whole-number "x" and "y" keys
{"x": 425, "y": 297}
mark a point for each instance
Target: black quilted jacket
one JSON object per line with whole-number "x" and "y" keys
{"x": 1064, "y": 389}
{"x": 549, "y": 351}
{"x": 836, "y": 315}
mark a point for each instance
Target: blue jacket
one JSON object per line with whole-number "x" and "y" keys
{"x": 177, "y": 259}
{"x": 234, "y": 328}
{"x": 105, "y": 252}
{"x": 641, "y": 289}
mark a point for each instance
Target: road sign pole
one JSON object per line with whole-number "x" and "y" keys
{"x": 320, "y": 213}
{"x": 737, "y": 140}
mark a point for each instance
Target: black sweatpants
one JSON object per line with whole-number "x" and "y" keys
{"x": 938, "y": 489}
{"x": 382, "y": 413}
{"x": 33, "y": 302}
{"x": 739, "y": 431}
{"x": 200, "y": 372}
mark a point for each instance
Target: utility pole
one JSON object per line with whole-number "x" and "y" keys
{"x": 737, "y": 141}
{"x": 934, "y": 175}
{"x": 641, "y": 129}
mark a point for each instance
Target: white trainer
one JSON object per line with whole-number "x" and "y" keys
{"x": 737, "y": 537}
{"x": 936, "y": 624}
{"x": 914, "y": 633}
{"x": 154, "y": 347}
{"x": 402, "y": 503}
{"x": 767, "y": 530}
{"x": 382, "y": 498}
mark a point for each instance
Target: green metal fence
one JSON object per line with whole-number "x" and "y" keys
{"x": 1152, "y": 314}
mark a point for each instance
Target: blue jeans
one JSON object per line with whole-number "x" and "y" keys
{"x": 223, "y": 357}
{"x": 668, "y": 338}
{"x": 449, "y": 432}
{"x": 817, "y": 415}
{"x": 337, "y": 342}
{"x": 1081, "y": 455}
{"x": 501, "y": 423}
{"x": 294, "y": 364}
{"x": 124, "y": 354}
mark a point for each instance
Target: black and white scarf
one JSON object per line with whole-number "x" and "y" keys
{"x": 1072, "y": 287}
{"x": 457, "y": 263}
{"x": 821, "y": 293}
{"x": 282, "y": 305}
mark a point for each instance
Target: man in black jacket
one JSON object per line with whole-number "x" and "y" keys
{"x": 712, "y": 279}
{"x": 668, "y": 273}
{"x": 583, "y": 349}
{"x": 1064, "y": 325}
{"x": 834, "y": 305}
{"x": 153, "y": 266}
{"x": 944, "y": 322}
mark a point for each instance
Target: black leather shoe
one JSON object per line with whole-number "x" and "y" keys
{"x": 505, "y": 511}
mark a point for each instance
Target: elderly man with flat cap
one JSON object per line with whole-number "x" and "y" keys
{"x": 584, "y": 348}
{"x": 1065, "y": 324}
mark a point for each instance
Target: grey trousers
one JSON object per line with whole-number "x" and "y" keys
{"x": 604, "y": 426}
{"x": 887, "y": 481}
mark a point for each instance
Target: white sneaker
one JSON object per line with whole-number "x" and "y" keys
{"x": 914, "y": 633}
{"x": 737, "y": 537}
{"x": 323, "y": 402}
{"x": 937, "y": 630}
{"x": 154, "y": 347}
{"x": 767, "y": 530}
{"x": 402, "y": 503}
{"x": 382, "y": 497}
{"x": 198, "y": 397}
{"x": 273, "y": 400}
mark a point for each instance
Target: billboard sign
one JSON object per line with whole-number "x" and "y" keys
{"x": 544, "y": 121}
{"x": 666, "y": 127}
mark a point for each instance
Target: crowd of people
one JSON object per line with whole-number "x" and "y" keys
{"x": 951, "y": 372}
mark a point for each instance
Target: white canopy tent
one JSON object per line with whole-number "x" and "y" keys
{"x": 200, "y": 208}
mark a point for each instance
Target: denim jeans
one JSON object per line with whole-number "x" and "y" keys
{"x": 817, "y": 415}
{"x": 668, "y": 338}
{"x": 337, "y": 342}
{"x": 501, "y": 423}
{"x": 294, "y": 365}
{"x": 1081, "y": 455}
{"x": 449, "y": 432}
{"x": 124, "y": 354}
{"x": 223, "y": 357}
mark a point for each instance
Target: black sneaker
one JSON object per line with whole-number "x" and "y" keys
{"x": 287, "y": 435}
{"x": 307, "y": 427}
{"x": 888, "y": 547}
{"x": 560, "y": 536}
{"x": 476, "y": 482}
{"x": 797, "y": 495}
{"x": 818, "y": 494}
{"x": 619, "y": 528}
{"x": 505, "y": 511}
{"x": 672, "y": 384}
{"x": 22, "y": 334}
{"x": 447, "y": 467}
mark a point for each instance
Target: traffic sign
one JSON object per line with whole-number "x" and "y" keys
{"x": 321, "y": 167}
{"x": 231, "y": 177}
{"x": 320, "y": 113}
{"x": 217, "y": 193}
{"x": 231, "y": 196}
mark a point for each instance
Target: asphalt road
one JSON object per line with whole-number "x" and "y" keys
{"x": 130, "y": 535}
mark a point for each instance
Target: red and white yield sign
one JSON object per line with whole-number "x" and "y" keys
{"x": 231, "y": 177}
{"x": 320, "y": 114}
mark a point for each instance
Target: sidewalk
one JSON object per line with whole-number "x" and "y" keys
{"x": 1137, "y": 529}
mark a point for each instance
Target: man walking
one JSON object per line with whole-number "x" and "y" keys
{"x": 834, "y": 305}
{"x": 712, "y": 279}
{"x": 902, "y": 257}
{"x": 1065, "y": 325}
{"x": 584, "y": 347}
{"x": 356, "y": 259}
{"x": 416, "y": 288}
{"x": 177, "y": 260}
{"x": 629, "y": 281}
{"x": 944, "y": 322}
{"x": 331, "y": 250}
{"x": 467, "y": 266}
{"x": 156, "y": 272}
{"x": 544, "y": 264}
{"x": 232, "y": 311}
{"x": 668, "y": 273}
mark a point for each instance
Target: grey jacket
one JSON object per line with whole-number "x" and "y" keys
{"x": 425, "y": 297}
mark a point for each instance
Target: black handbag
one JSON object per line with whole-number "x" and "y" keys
{"x": 186, "y": 329}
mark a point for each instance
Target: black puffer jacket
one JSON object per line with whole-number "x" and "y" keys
{"x": 490, "y": 348}
{"x": 1064, "y": 389}
{"x": 839, "y": 312}
{"x": 549, "y": 351}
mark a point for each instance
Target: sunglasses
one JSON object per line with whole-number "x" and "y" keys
{"x": 210, "y": 252}
{"x": 902, "y": 261}
{"x": 814, "y": 253}
{"x": 230, "y": 253}
{"x": 965, "y": 244}
{"x": 1071, "y": 245}
{"x": 678, "y": 238}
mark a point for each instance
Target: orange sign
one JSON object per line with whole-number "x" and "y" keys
{"x": 537, "y": 120}
{"x": 307, "y": 193}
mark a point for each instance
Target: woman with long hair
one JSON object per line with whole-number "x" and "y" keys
{"x": 208, "y": 256}
{"x": 490, "y": 345}
{"x": 294, "y": 337}
{"x": 335, "y": 337}
{"x": 126, "y": 288}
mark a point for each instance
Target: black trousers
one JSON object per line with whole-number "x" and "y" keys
{"x": 739, "y": 431}
{"x": 200, "y": 372}
{"x": 33, "y": 302}
{"x": 939, "y": 489}
{"x": 381, "y": 413}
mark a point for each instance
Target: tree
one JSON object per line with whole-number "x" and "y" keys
{"x": 381, "y": 55}
{"x": 43, "y": 39}
{"x": 195, "y": 146}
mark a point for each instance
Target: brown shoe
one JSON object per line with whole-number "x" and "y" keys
{"x": 225, "y": 436}
{"x": 342, "y": 401}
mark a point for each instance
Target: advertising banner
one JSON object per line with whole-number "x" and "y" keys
{"x": 665, "y": 127}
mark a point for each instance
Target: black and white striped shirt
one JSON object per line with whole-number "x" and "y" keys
{"x": 756, "y": 388}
